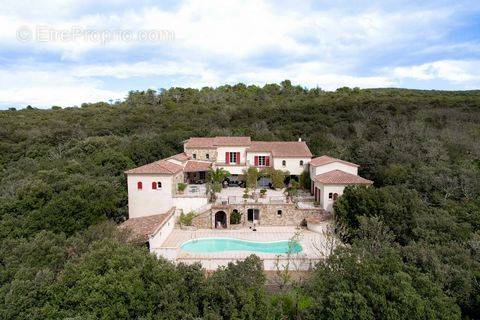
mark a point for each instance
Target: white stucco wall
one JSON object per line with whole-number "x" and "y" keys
{"x": 234, "y": 169}
{"x": 292, "y": 165}
{"x": 162, "y": 234}
{"x": 334, "y": 166}
{"x": 327, "y": 203}
{"x": 251, "y": 157}
{"x": 189, "y": 204}
{"x": 222, "y": 150}
{"x": 147, "y": 202}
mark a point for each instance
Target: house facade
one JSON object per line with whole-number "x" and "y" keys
{"x": 154, "y": 188}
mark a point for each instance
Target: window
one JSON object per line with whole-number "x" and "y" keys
{"x": 207, "y": 156}
{"x": 194, "y": 156}
{"x": 335, "y": 196}
{"x": 261, "y": 160}
{"x": 154, "y": 185}
{"x": 301, "y": 162}
{"x": 253, "y": 214}
{"x": 279, "y": 213}
{"x": 330, "y": 195}
{"x": 284, "y": 163}
{"x": 159, "y": 185}
{"x": 233, "y": 157}
{"x": 139, "y": 185}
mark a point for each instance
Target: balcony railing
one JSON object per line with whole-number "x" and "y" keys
{"x": 193, "y": 191}
{"x": 260, "y": 200}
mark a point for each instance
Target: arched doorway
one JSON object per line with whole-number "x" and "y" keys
{"x": 220, "y": 220}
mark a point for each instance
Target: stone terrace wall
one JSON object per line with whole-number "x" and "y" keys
{"x": 269, "y": 215}
{"x": 203, "y": 220}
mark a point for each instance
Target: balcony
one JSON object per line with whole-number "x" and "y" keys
{"x": 234, "y": 195}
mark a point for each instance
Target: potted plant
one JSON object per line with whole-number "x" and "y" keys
{"x": 263, "y": 192}
{"x": 181, "y": 187}
{"x": 245, "y": 194}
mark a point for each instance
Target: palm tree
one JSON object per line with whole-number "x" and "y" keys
{"x": 215, "y": 180}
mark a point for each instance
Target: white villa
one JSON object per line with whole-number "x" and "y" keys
{"x": 155, "y": 200}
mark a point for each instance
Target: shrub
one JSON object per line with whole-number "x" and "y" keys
{"x": 181, "y": 187}
{"x": 305, "y": 181}
{"x": 278, "y": 178}
{"x": 186, "y": 219}
{"x": 235, "y": 217}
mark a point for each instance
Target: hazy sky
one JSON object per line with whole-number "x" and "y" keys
{"x": 68, "y": 52}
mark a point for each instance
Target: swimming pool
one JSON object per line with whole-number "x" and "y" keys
{"x": 208, "y": 245}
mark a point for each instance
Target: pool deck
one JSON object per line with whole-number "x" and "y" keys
{"x": 314, "y": 245}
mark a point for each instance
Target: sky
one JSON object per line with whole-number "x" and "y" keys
{"x": 66, "y": 52}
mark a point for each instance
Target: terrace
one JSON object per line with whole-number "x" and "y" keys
{"x": 235, "y": 195}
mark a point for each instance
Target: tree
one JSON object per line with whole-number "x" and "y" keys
{"x": 305, "y": 181}
{"x": 215, "y": 179}
{"x": 355, "y": 283}
{"x": 399, "y": 207}
{"x": 251, "y": 177}
{"x": 277, "y": 177}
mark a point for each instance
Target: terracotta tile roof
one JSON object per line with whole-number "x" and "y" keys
{"x": 144, "y": 227}
{"x": 160, "y": 166}
{"x": 340, "y": 177}
{"x": 180, "y": 157}
{"x": 213, "y": 142}
{"x": 200, "y": 143}
{"x": 232, "y": 141}
{"x": 195, "y": 166}
{"x": 320, "y": 161}
{"x": 282, "y": 148}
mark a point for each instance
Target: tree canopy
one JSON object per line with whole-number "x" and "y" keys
{"x": 412, "y": 241}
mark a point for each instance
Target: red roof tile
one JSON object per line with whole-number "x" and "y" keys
{"x": 195, "y": 166}
{"x": 144, "y": 227}
{"x": 282, "y": 148}
{"x": 232, "y": 141}
{"x": 320, "y": 161}
{"x": 213, "y": 142}
{"x": 180, "y": 157}
{"x": 340, "y": 177}
{"x": 200, "y": 143}
{"x": 160, "y": 166}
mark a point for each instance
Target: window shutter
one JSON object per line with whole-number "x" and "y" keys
{"x": 154, "y": 185}
{"x": 267, "y": 161}
{"x": 238, "y": 157}
{"x": 139, "y": 185}
{"x": 227, "y": 157}
{"x": 256, "y": 160}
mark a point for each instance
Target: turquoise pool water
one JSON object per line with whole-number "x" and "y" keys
{"x": 229, "y": 244}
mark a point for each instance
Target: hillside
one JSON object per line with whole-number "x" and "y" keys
{"x": 417, "y": 232}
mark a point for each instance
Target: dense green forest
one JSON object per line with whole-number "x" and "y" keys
{"x": 412, "y": 242}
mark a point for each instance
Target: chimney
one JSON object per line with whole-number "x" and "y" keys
{"x": 300, "y": 139}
